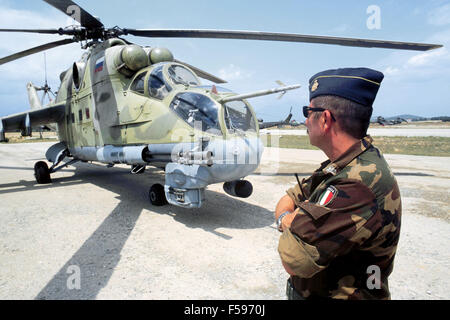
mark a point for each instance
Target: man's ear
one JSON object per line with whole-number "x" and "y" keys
{"x": 327, "y": 120}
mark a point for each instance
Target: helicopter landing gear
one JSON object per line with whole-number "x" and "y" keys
{"x": 42, "y": 173}
{"x": 157, "y": 195}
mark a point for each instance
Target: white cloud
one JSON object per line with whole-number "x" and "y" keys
{"x": 391, "y": 71}
{"x": 432, "y": 58}
{"x": 423, "y": 65}
{"x": 232, "y": 72}
{"x": 15, "y": 75}
{"x": 439, "y": 16}
{"x": 12, "y": 18}
{"x": 434, "y": 63}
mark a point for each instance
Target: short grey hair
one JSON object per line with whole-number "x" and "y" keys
{"x": 353, "y": 118}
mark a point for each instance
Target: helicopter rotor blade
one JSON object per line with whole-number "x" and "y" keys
{"x": 37, "y": 49}
{"x": 272, "y": 36}
{"x": 47, "y": 31}
{"x": 201, "y": 73}
{"x": 77, "y": 13}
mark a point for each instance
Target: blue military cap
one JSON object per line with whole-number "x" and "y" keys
{"x": 357, "y": 84}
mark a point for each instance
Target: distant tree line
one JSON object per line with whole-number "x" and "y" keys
{"x": 443, "y": 118}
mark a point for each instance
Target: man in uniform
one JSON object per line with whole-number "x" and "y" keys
{"x": 340, "y": 227}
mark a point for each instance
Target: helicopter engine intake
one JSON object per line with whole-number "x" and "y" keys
{"x": 131, "y": 58}
{"x": 158, "y": 55}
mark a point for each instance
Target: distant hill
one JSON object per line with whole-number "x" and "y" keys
{"x": 407, "y": 116}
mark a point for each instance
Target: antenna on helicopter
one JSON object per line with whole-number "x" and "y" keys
{"x": 47, "y": 90}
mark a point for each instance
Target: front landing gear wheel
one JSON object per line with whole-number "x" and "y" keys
{"x": 42, "y": 173}
{"x": 157, "y": 195}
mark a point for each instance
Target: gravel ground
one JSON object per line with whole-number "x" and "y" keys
{"x": 96, "y": 222}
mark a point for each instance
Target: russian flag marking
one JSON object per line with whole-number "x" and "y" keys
{"x": 99, "y": 64}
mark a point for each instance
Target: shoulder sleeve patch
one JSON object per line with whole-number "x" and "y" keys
{"x": 327, "y": 196}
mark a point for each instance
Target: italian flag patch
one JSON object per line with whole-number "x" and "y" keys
{"x": 328, "y": 196}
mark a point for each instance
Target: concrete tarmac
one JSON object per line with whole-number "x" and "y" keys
{"x": 93, "y": 234}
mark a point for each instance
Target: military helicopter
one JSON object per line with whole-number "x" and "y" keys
{"x": 382, "y": 121}
{"x": 122, "y": 103}
{"x": 279, "y": 124}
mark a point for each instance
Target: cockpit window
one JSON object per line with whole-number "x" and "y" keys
{"x": 238, "y": 117}
{"x": 157, "y": 87}
{"x": 181, "y": 75}
{"x": 198, "y": 111}
{"x": 138, "y": 83}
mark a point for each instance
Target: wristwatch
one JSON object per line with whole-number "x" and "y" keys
{"x": 280, "y": 218}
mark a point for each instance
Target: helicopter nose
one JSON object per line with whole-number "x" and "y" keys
{"x": 235, "y": 158}
{"x": 232, "y": 159}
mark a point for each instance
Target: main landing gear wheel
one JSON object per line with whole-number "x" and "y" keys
{"x": 157, "y": 195}
{"x": 42, "y": 173}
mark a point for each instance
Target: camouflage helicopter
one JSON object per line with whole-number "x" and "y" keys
{"x": 279, "y": 124}
{"x": 122, "y": 103}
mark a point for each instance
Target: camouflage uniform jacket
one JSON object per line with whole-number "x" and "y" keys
{"x": 350, "y": 223}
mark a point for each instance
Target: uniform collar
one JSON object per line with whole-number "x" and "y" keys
{"x": 351, "y": 153}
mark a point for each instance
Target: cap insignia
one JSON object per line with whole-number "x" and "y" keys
{"x": 315, "y": 85}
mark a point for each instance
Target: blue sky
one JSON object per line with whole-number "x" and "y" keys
{"x": 415, "y": 82}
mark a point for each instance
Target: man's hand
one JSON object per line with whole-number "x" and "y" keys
{"x": 287, "y": 220}
{"x": 285, "y": 204}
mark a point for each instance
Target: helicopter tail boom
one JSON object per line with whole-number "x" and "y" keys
{"x": 33, "y": 97}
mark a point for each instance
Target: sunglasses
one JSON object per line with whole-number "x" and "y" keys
{"x": 307, "y": 109}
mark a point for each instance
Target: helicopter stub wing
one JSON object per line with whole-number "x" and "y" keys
{"x": 32, "y": 118}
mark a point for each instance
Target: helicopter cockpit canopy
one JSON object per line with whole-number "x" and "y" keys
{"x": 157, "y": 85}
{"x": 201, "y": 112}
{"x": 181, "y": 75}
{"x": 162, "y": 78}
{"x": 238, "y": 117}
{"x": 198, "y": 110}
